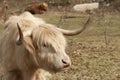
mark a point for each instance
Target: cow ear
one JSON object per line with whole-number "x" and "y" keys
{"x": 29, "y": 45}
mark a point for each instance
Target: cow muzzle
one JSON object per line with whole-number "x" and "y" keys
{"x": 66, "y": 62}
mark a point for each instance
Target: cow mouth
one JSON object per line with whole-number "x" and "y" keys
{"x": 55, "y": 70}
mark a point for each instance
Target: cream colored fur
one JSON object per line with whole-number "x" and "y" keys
{"x": 39, "y": 55}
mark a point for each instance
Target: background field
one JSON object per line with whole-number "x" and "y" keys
{"x": 95, "y": 53}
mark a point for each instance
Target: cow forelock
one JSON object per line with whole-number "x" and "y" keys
{"x": 48, "y": 36}
{"x": 50, "y": 46}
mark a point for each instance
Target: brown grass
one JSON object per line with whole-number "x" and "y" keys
{"x": 91, "y": 58}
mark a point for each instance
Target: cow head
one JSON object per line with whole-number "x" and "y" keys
{"x": 43, "y": 6}
{"x": 47, "y": 46}
{"x": 37, "y": 8}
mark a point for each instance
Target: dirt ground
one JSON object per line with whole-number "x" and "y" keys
{"x": 95, "y": 53}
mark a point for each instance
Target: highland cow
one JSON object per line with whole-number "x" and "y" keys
{"x": 31, "y": 49}
{"x": 85, "y": 7}
{"x": 37, "y": 8}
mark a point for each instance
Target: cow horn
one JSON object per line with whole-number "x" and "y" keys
{"x": 76, "y": 31}
{"x": 20, "y": 37}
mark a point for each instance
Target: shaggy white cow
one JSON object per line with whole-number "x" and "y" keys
{"x": 31, "y": 49}
{"x": 85, "y": 7}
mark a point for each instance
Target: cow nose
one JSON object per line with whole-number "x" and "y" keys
{"x": 66, "y": 63}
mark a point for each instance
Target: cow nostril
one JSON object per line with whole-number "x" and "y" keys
{"x": 65, "y": 63}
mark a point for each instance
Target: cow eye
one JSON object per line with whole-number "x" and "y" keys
{"x": 44, "y": 45}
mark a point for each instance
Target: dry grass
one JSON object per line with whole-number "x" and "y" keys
{"x": 91, "y": 58}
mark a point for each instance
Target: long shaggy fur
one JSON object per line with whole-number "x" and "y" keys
{"x": 38, "y": 56}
